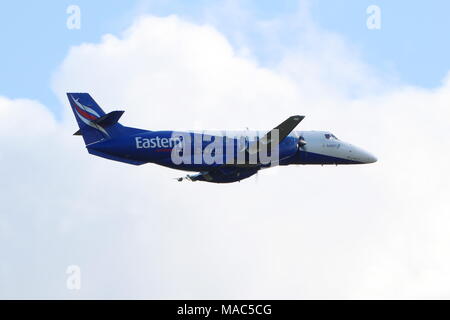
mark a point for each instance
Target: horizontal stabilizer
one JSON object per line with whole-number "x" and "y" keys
{"x": 105, "y": 121}
{"x": 109, "y": 119}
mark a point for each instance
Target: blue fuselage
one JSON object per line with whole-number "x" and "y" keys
{"x": 219, "y": 157}
{"x": 157, "y": 147}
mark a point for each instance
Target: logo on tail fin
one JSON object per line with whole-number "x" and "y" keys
{"x": 87, "y": 115}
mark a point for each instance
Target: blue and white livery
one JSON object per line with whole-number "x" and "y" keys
{"x": 219, "y": 156}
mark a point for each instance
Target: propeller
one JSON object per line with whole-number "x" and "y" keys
{"x": 301, "y": 143}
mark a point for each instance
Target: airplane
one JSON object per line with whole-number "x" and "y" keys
{"x": 216, "y": 156}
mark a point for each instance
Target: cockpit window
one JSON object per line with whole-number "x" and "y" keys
{"x": 330, "y": 136}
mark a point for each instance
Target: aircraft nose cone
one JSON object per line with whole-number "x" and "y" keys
{"x": 367, "y": 157}
{"x": 371, "y": 158}
{"x": 361, "y": 155}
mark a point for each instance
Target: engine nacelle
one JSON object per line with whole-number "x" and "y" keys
{"x": 289, "y": 147}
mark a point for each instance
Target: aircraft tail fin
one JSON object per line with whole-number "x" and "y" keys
{"x": 94, "y": 124}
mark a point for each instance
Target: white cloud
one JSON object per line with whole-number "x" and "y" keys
{"x": 305, "y": 232}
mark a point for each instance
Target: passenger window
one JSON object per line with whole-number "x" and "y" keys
{"x": 327, "y": 136}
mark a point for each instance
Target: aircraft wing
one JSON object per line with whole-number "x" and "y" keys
{"x": 236, "y": 172}
{"x": 192, "y": 177}
{"x": 221, "y": 175}
{"x": 284, "y": 129}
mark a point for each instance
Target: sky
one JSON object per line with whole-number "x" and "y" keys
{"x": 410, "y": 46}
{"x": 376, "y": 231}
